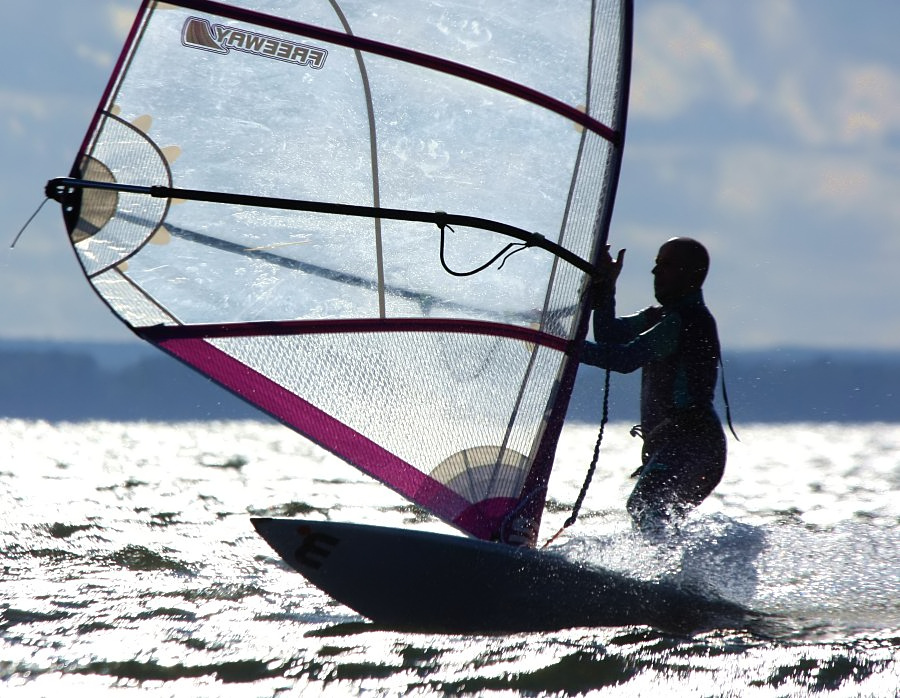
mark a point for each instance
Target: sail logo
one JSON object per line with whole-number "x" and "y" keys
{"x": 218, "y": 38}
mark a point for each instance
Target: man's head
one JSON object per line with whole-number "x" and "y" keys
{"x": 681, "y": 266}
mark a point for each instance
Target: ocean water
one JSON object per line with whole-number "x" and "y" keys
{"x": 129, "y": 567}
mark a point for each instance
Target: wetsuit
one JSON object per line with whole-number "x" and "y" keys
{"x": 677, "y": 346}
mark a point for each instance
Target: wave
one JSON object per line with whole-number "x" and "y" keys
{"x": 801, "y": 580}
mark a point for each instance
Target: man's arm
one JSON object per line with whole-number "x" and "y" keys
{"x": 655, "y": 343}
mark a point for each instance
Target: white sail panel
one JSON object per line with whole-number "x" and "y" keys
{"x": 210, "y": 208}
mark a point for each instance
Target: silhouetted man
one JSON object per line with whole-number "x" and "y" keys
{"x": 677, "y": 346}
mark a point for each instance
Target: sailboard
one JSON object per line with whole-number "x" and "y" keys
{"x": 431, "y": 582}
{"x": 374, "y": 220}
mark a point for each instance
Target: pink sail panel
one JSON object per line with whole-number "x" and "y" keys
{"x": 474, "y": 507}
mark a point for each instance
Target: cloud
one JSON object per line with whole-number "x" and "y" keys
{"x": 767, "y": 128}
{"x": 97, "y": 57}
{"x": 120, "y": 19}
{"x": 790, "y": 106}
{"x": 769, "y": 124}
{"x": 39, "y": 128}
{"x": 762, "y": 181}
{"x": 858, "y": 104}
{"x": 764, "y": 61}
{"x": 679, "y": 62}
{"x": 23, "y": 104}
{"x": 869, "y": 106}
{"x": 778, "y": 24}
{"x": 25, "y": 116}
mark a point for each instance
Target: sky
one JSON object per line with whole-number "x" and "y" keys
{"x": 769, "y": 130}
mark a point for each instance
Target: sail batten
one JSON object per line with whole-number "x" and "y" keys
{"x": 375, "y": 220}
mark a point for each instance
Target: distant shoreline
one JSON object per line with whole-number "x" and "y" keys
{"x": 80, "y": 381}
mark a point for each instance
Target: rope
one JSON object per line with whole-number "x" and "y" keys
{"x": 28, "y": 222}
{"x": 725, "y": 399}
{"x": 591, "y": 468}
{"x": 520, "y": 245}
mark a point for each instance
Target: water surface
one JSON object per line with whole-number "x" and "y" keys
{"x": 129, "y": 565}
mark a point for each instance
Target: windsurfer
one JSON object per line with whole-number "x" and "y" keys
{"x": 676, "y": 345}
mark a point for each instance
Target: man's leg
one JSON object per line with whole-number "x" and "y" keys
{"x": 675, "y": 480}
{"x": 653, "y": 501}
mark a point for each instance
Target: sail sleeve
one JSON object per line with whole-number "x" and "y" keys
{"x": 374, "y": 220}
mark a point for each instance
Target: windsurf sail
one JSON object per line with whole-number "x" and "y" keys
{"x": 375, "y": 220}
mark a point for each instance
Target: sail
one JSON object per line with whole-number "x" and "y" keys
{"x": 373, "y": 219}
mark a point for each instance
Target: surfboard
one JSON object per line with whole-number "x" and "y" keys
{"x": 424, "y": 581}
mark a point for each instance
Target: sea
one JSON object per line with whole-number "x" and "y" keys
{"x": 130, "y": 567}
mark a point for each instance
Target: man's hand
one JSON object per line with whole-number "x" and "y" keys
{"x": 608, "y": 270}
